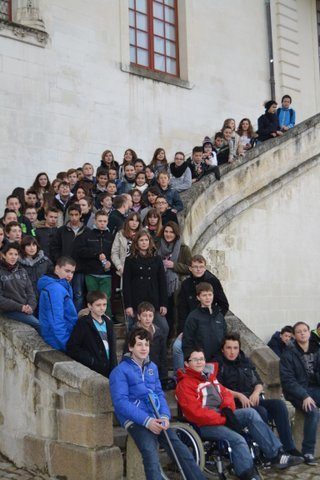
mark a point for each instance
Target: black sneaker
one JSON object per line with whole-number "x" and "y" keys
{"x": 309, "y": 459}
{"x": 283, "y": 461}
{"x": 294, "y": 452}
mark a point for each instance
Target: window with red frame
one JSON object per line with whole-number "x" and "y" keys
{"x": 318, "y": 22}
{"x": 154, "y": 35}
{"x": 5, "y": 10}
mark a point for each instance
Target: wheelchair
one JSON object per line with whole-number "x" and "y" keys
{"x": 213, "y": 457}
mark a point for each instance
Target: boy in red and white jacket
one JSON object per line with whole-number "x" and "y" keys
{"x": 210, "y": 406}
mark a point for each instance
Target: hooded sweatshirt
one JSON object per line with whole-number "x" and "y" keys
{"x": 57, "y": 313}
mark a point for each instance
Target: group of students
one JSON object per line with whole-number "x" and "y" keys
{"x": 87, "y": 236}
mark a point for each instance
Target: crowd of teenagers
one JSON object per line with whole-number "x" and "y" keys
{"x": 74, "y": 249}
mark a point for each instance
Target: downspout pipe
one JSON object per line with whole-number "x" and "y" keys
{"x": 270, "y": 49}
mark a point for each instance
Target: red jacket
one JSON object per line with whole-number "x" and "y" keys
{"x": 191, "y": 394}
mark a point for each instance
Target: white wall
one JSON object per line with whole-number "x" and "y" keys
{"x": 64, "y": 104}
{"x": 271, "y": 264}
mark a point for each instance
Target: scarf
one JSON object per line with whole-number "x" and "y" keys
{"x": 170, "y": 251}
{"x": 9, "y": 267}
{"x": 177, "y": 172}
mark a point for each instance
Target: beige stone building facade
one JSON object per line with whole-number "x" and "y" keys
{"x": 78, "y": 77}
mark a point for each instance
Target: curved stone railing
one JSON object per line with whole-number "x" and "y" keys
{"x": 55, "y": 414}
{"x": 210, "y": 205}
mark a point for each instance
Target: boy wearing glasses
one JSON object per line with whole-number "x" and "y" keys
{"x": 210, "y": 406}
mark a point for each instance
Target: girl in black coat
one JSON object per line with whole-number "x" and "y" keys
{"x": 144, "y": 279}
{"x": 268, "y": 124}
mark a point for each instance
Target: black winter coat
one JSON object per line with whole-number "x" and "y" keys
{"x": 293, "y": 374}
{"x": 267, "y": 124}
{"x": 144, "y": 280}
{"x": 239, "y": 375}
{"x": 158, "y": 351}
{"x": 187, "y": 299}
{"x": 89, "y": 247}
{"x": 206, "y": 330}
{"x": 86, "y": 347}
{"x": 63, "y": 242}
{"x": 116, "y": 221}
{"x": 169, "y": 216}
{"x": 45, "y": 235}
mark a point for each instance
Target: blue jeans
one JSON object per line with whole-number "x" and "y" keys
{"x": 276, "y": 410}
{"x": 24, "y": 318}
{"x": 311, "y": 420}
{"x": 78, "y": 287}
{"x": 259, "y": 431}
{"x": 177, "y": 354}
{"x": 147, "y": 442}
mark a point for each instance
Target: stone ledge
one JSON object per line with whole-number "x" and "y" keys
{"x": 24, "y": 33}
{"x": 156, "y": 76}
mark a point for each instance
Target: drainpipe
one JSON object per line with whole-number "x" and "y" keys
{"x": 270, "y": 48}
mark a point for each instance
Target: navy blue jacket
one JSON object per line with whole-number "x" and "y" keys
{"x": 293, "y": 374}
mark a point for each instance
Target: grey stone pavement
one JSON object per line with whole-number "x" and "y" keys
{"x": 8, "y": 471}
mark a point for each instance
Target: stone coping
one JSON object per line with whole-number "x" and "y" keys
{"x": 55, "y": 363}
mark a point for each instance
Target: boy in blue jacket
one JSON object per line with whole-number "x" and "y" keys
{"x": 131, "y": 383}
{"x": 57, "y": 313}
{"x": 286, "y": 114}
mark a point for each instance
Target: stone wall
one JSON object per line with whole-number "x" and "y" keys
{"x": 55, "y": 414}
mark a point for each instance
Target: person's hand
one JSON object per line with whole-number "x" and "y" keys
{"x": 107, "y": 265}
{"x": 308, "y": 404}
{"x": 102, "y": 257}
{"x": 163, "y": 311}
{"x": 165, "y": 423}
{"x": 273, "y": 134}
{"x": 279, "y": 133}
{"x": 27, "y": 309}
{"x": 129, "y": 312}
{"x": 284, "y": 128}
{"x": 245, "y": 402}
{"x": 155, "y": 425}
{"x": 168, "y": 263}
{"x": 254, "y": 399}
{"x": 120, "y": 271}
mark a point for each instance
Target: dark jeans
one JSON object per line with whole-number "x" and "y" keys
{"x": 276, "y": 411}
{"x": 259, "y": 432}
{"x": 147, "y": 442}
{"x": 311, "y": 420}
{"x": 78, "y": 287}
{"x": 24, "y": 318}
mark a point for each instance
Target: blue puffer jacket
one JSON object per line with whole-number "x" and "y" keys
{"x": 130, "y": 385}
{"x": 57, "y": 313}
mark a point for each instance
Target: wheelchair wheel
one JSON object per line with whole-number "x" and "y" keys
{"x": 191, "y": 439}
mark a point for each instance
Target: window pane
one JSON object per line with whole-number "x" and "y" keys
{"x": 159, "y": 62}
{"x": 131, "y": 4}
{"x": 158, "y": 27}
{"x": 158, "y": 45}
{"x": 170, "y": 49}
{"x": 131, "y": 18}
{"x": 170, "y": 32}
{"x": 169, "y": 14}
{"x": 142, "y": 39}
{"x": 157, "y": 10}
{"x": 171, "y": 66}
{"x": 132, "y": 36}
{"x": 169, "y": 2}
{"x": 133, "y": 54}
{"x": 143, "y": 57}
{"x": 142, "y": 21}
{"x": 141, "y": 6}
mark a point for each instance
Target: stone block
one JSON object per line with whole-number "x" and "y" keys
{"x": 34, "y": 452}
{"x": 267, "y": 363}
{"x": 98, "y": 386}
{"x": 46, "y": 360}
{"x": 80, "y": 463}
{"x": 134, "y": 463}
{"x": 72, "y": 373}
{"x": 85, "y": 430}
{"x": 297, "y": 430}
{"x": 80, "y": 402}
{"x": 29, "y": 343}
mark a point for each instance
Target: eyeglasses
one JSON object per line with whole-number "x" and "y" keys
{"x": 197, "y": 360}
